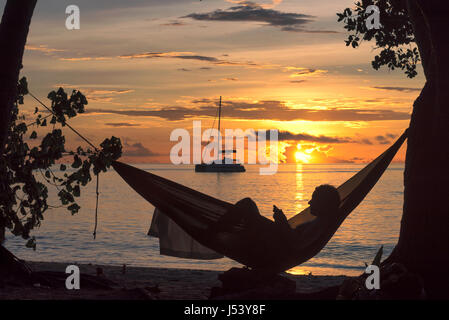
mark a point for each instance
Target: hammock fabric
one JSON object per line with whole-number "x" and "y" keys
{"x": 175, "y": 242}
{"x": 266, "y": 244}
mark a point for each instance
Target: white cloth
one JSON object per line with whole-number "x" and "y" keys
{"x": 175, "y": 242}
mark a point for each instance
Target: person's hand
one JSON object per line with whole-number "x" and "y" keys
{"x": 277, "y": 213}
{"x": 279, "y": 216}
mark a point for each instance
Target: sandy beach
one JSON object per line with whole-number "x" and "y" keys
{"x": 147, "y": 283}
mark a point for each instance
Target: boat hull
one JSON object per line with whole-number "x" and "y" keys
{"x": 214, "y": 167}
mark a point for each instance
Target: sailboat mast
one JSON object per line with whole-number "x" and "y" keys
{"x": 219, "y": 115}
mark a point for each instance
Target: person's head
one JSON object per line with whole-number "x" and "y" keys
{"x": 325, "y": 200}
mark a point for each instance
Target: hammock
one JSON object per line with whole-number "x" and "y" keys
{"x": 264, "y": 246}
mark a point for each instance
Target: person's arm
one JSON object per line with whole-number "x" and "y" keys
{"x": 279, "y": 216}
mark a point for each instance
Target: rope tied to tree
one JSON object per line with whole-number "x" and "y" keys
{"x": 96, "y": 207}
{"x": 68, "y": 125}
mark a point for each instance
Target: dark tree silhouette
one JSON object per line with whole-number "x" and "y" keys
{"x": 423, "y": 245}
{"x": 14, "y": 29}
{"x": 23, "y": 197}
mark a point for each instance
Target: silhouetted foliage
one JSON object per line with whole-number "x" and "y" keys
{"x": 395, "y": 39}
{"x": 27, "y": 170}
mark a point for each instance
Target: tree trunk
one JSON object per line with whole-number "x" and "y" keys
{"x": 13, "y": 270}
{"x": 13, "y": 34}
{"x": 423, "y": 245}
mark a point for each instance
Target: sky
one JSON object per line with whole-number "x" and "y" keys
{"x": 150, "y": 67}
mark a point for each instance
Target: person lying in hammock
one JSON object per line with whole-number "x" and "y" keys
{"x": 325, "y": 201}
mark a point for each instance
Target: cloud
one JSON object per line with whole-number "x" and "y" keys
{"x": 289, "y": 136}
{"x": 391, "y": 135}
{"x": 262, "y": 110}
{"x": 204, "y": 100}
{"x": 273, "y": 3}
{"x": 401, "y": 89}
{"x": 196, "y": 57}
{"x": 174, "y": 23}
{"x": 366, "y": 141}
{"x": 122, "y": 124}
{"x": 108, "y": 91}
{"x": 43, "y": 48}
{"x": 297, "y": 81}
{"x": 193, "y": 56}
{"x": 86, "y": 59}
{"x": 300, "y": 30}
{"x": 386, "y": 139}
{"x": 100, "y": 94}
{"x": 176, "y": 55}
{"x": 248, "y": 11}
{"x": 138, "y": 150}
{"x": 184, "y": 69}
{"x": 100, "y": 89}
{"x": 104, "y": 95}
{"x": 301, "y": 72}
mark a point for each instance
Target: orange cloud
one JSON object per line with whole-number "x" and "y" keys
{"x": 86, "y": 59}
{"x": 271, "y": 5}
{"x": 302, "y": 72}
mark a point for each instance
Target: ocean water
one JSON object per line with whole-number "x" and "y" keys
{"x": 124, "y": 218}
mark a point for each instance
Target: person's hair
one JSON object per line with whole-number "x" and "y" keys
{"x": 328, "y": 194}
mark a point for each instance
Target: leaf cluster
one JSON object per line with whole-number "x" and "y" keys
{"x": 30, "y": 164}
{"x": 395, "y": 40}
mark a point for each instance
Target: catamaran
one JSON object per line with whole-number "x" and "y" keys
{"x": 223, "y": 164}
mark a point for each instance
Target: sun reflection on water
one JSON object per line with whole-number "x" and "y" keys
{"x": 299, "y": 195}
{"x": 297, "y": 271}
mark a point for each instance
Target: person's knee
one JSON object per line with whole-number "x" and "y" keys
{"x": 246, "y": 202}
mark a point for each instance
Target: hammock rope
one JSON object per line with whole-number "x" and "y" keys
{"x": 88, "y": 142}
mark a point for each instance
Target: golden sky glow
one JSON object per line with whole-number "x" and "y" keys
{"x": 149, "y": 67}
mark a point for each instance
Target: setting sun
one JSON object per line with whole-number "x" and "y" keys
{"x": 302, "y": 157}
